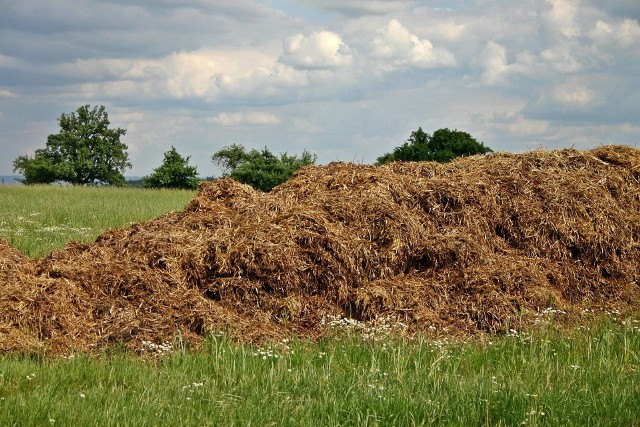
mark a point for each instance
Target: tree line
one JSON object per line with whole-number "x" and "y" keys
{"x": 87, "y": 151}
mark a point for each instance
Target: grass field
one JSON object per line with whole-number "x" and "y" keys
{"x": 38, "y": 219}
{"x": 586, "y": 376}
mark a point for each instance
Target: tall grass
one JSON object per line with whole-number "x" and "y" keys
{"x": 38, "y": 219}
{"x": 585, "y": 378}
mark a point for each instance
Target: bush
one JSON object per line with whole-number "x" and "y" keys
{"x": 261, "y": 169}
{"x": 174, "y": 172}
{"x": 443, "y": 146}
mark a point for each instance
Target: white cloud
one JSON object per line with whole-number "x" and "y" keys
{"x": 94, "y": 69}
{"x": 515, "y": 123}
{"x": 343, "y": 78}
{"x": 573, "y": 93}
{"x": 204, "y": 73}
{"x": 396, "y": 44}
{"x": 217, "y": 75}
{"x": 447, "y": 30}
{"x": 4, "y": 93}
{"x": 247, "y": 118}
{"x": 494, "y": 62}
{"x": 561, "y": 17}
{"x": 629, "y": 129}
{"x": 7, "y": 61}
{"x": 624, "y": 34}
{"x": 277, "y": 81}
{"x": 497, "y": 70}
{"x": 192, "y": 73}
{"x": 320, "y": 50}
{"x": 561, "y": 58}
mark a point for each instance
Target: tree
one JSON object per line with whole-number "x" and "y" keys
{"x": 443, "y": 146}
{"x": 174, "y": 172}
{"x": 85, "y": 152}
{"x": 261, "y": 169}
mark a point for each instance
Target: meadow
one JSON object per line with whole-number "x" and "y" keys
{"x": 552, "y": 376}
{"x": 39, "y": 219}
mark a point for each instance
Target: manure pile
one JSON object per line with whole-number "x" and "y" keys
{"x": 474, "y": 245}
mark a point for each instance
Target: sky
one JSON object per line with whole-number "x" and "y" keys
{"x": 346, "y": 80}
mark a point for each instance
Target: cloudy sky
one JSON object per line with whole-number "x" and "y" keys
{"x": 344, "y": 79}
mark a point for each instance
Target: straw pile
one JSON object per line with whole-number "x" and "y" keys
{"x": 474, "y": 245}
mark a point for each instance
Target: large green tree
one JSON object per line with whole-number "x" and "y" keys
{"x": 174, "y": 172}
{"x": 86, "y": 151}
{"x": 443, "y": 146}
{"x": 261, "y": 169}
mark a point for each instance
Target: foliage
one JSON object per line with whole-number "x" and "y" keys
{"x": 261, "y": 169}
{"x": 443, "y": 146}
{"x": 85, "y": 152}
{"x": 174, "y": 172}
{"x": 41, "y": 169}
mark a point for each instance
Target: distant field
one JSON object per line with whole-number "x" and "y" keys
{"x": 9, "y": 179}
{"x": 38, "y": 219}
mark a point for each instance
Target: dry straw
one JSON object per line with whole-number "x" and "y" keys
{"x": 474, "y": 245}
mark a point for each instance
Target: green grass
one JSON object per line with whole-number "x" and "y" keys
{"x": 39, "y": 219}
{"x": 588, "y": 376}
{"x": 585, "y": 378}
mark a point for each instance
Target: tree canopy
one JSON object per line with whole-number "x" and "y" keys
{"x": 85, "y": 152}
{"x": 174, "y": 172}
{"x": 443, "y": 146}
{"x": 261, "y": 169}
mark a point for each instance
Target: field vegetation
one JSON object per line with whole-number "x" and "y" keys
{"x": 585, "y": 377}
{"x": 37, "y": 219}
{"x": 356, "y": 376}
